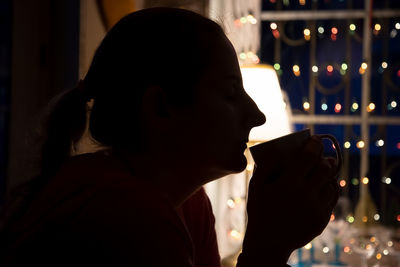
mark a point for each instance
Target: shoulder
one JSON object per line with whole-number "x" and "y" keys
{"x": 128, "y": 217}
{"x": 121, "y": 214}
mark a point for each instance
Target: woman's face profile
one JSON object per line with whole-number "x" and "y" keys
{"x": 222, "y": 115}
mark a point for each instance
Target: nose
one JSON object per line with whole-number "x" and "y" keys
{"x": 254, "y": 115}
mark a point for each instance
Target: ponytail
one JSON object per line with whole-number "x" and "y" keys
{"x": 63, "y": 123}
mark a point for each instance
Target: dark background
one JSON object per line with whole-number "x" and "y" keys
{"x": 39, "y": 49}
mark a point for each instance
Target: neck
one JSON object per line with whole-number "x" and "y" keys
{"x": 177, "y": 180}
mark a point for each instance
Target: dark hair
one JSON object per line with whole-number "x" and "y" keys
{"x": 153, "y": 47}
{"x": 164, "y": 47}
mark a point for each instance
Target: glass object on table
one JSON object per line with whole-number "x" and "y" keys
{"x": 364, "y": 243}
{"x": 392, "y": 246}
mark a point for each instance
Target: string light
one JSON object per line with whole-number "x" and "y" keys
{"x": 329, "y": 68}
{"x": 238, "y": 24}
{"x": 385, "y": 252}
{"x": 276, "y": 34}
{"x": 377, "y": 28}
{"x": 378, "y": 256}
{"x": 344, "y": 66}
{"x": 379, "y": 143}
{"x": 360, "y": 144}
{"x": 250, "y": 167}
{"x": 277, "y": 66}
{"x": 398, "y": 145}
{"x": 393, "y": 33}
{"x": 231, "y": 203}
{"x": 302, "y": 2}
{"x": 398, "y": 73}
{"x": 364, "y": 219}
{"x": 243, "y": 20}
{"x": 347, "y": 144}
{"x": 308, "y": 246}
{"x": 397, "y": 26}
{"x": 334, "y": 31}
{"x": 352, "y": 27}
{"x": 342, "y": 183}
{"x": 273, "y": 26}
{"x": 346, "y": 249}
{"x": 350, "y": 219}
{"x": 325, "y": 250}
{"x": 235, "y": 234}
{"x": 384, "y": 64}
{"x": 332, "y": 217}
{"x": 321, "y": 30}
{"x": 324, "y": 106}
{"x": 371, "y": 107}
{"x": 296, "y": 70}
{"x": 390, "y": 243}
{"x": 242, "y": 56}
{"x": 238, "y": 200}
{"x": 386, "y": 180}
{"x": 306, "y": 105}
{"x": 338, "y": 107}
{"x": 253, "y": 57}
{"x": 307, "y": 34}
{"x": 365, "y": 180}
{"x": 377, "y": 217}
{"x": 398, "y": 218}
{"x": 314, "y": 68}
{"x": 251, "y": 19}
{"x": 364, "y": 66}
{"x": 354, "y": 106}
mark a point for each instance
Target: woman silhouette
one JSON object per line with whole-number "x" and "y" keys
{"x": 165, "y": 103}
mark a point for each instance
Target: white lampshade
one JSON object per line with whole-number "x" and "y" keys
{"x": 262, "y": 85}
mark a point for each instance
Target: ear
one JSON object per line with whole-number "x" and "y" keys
{"x": 155, "y": 108}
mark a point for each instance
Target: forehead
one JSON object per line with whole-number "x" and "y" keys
{"x": 223, "y": 62}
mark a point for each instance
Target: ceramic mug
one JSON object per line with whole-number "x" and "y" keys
{"x": 279, "y": 150}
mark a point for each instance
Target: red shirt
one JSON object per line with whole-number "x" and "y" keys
{"x": 94, "y": 212}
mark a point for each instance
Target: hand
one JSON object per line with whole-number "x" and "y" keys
{"x": 287, "y": 211}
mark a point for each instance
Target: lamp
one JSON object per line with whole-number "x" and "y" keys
{"x": 262, "y": 85}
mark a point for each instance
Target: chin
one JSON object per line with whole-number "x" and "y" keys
{"x": 238, "y": 164}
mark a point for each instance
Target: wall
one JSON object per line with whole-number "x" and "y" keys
{"x": 45, "y": 48}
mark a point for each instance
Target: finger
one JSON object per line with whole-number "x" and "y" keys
{"x": 332, "y": 162}
{"x": 328, "y": 198}
{"x": 322, "y": 173}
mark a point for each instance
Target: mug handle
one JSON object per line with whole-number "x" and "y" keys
{"x": 338, "y": 151}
